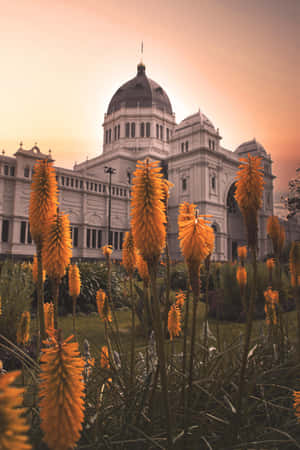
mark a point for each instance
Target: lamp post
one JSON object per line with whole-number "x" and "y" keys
{"x": 110, "y": 171}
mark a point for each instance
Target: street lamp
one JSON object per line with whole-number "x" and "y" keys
{"x": 110, "y": 171}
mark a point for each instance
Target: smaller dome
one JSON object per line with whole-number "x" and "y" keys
{"x": 196, "y": 118}
{"x": 252, "y": 147}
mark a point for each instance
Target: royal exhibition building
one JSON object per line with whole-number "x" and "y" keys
{"x": 139, "y": 123}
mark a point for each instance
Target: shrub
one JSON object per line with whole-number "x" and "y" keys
{"x": 16, "y": 290}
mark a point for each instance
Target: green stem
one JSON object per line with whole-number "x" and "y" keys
{"x": 132, "y": 360}
{"x": 161, "y": 354}
{"x": 74, "y": 314}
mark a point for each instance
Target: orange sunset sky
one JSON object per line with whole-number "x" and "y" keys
{"x": 238, "y": 60}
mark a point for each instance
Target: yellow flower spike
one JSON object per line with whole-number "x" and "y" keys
{"x": 104, "y": 358}
{"x": 23, "y": 329}
{"x": 57, "y": 250}
{"x": 148, "y": 211}
{"x": 248, "y": 194}
{"x": 74, "y": 281}
{"x": 43, "y": 198}
{"x": 174, "y": 317}
{"x": 13, "y": 427}
{"x": 129, "y": 253}
{"x": 103, "y": 306}
{"x": 142, "y": 268}
{"x": 241, "y": 276}
{"x": 61, "y": 393}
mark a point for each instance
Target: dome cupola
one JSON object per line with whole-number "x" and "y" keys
{"x": 141, "y": 92}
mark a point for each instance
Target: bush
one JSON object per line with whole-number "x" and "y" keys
{"x": 16, "y": 290}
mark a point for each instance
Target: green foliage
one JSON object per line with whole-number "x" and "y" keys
{"x": 93, "y": 277}
{"x": 16, "y": 290}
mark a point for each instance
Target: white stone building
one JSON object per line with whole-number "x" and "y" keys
{"x": 139, "y": 123}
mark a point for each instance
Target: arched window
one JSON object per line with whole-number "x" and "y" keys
{"x": 161, "y": 133}
{"x": 187, "y": 146}
{"x": 182, "y": 147}
{"x": 115, "y": 133}
{"x": 118, "y": 131}
{"x": 184, "y": 184}
{"x": 133, "y": 129}
{"x": 148, "y": 129}
{"x": 127, "y": 127}
{"x": 26, "y": 172}
{"x": 157, "y": 131}
{"x": 168, "y": 134}
{"x": 213, "y": 182}
{"x": 142, "y": 130}
{"x": 231, "y": 201}
{"x": 109, "y": 135}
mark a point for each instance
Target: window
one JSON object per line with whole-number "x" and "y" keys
{"x": 5, "y": 170}
{"x": 81, "y": 184}
{"x": 157, "y": 131}
{"x": 142, "y": 130}
{"x": 94, "y": 236}
{"x": 110, "y": 240}
{"x": 148, "y": 129}
{"x": 125, "y": 192}
{"x": 99, "y": 238}
{"x": 104, "y": 188}
{"x": 23, "y": 233}
{"x": 184, "y": 184}
{"x": 121, "y": 239}
{"x": 72, "y": 182}
{"x": 87, "y": 185}
{"x": 117, "y": 191}
{"x": 26, "y": 172}
{"x": 133, "y": 129}
{"x": 127, "y": 126}
{"x": 116, "y": 240}
{"x": 29, "y": 238}
{"x": 63, "y": 180}
{"x": 88, "y": 238}
{"x": 182, "y": 147}
{"x": 118, "y": 131}
{"x": 121, "y": 192}
{"x": 161, "y": 133}
{"x": 213, "y": 182}
{"x": 115, "y": 133}
{"x": 99, "y": 187}
{"x": 76, "y": 183}
{"x": 168, "y": 134}
{"x": 12, "y": 171}
{"x": 109, "y": 135}
{"x": 106, "y": 137}
{"x": 5, "y": 230}
{"x": 74, "y": 232}
{"x": 187, "y": 146}
{"x": 91, "y": 186}
{"x": 95, "y": 187}
{"x": 113, "y": 191}
{"x": 67, "y": 181}
{"x": 213, "y": 145}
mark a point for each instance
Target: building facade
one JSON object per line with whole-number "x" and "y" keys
{"x": 139, "y": 124}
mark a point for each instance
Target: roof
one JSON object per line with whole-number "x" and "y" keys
{"x": 196, "y": 118}
{"x": 250, "y": 147}
{"x": 140, "y": 91}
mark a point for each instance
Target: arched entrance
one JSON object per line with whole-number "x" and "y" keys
{"x": 236, "y": 232}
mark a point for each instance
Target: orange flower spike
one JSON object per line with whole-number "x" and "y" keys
{"x": 49, "y": 315}
{"x": 61, "y": 393}
{"x": 148, "y": 216}
{"x": 43, "y": 198}
{"x": 104, "y": 358}
{"x": 103, "y": 306}
{"x": 34, "y": 269}
{"x": 107, "y": 250}
{"x": 13, "y": 427}
{"x": 129, "y": 253}
{"x": 180, "y": 299}
{"x": 248, "y": 194}
{"x": 142, "y": 268}
{"x": 23, "y": 331}
{"x": 242, "y": 253}
{"x": 187, "y": 211}
{"x": 196, "y": 239}
{"x": 174, "y": 317}
{"x": 294, "y": 263}
{"x": 296, "y": 395}
{"x": 74, "y": 281}
{"x": 241, "y": 276}
{"x": 57, "y": 250}
{"x": 270, "y": 263}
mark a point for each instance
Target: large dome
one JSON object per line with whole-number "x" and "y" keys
{"x": 140, "y": 91}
